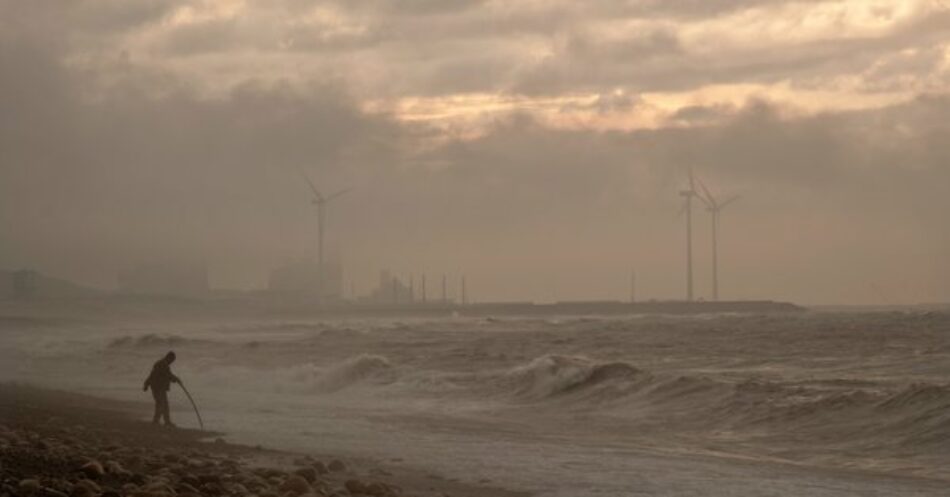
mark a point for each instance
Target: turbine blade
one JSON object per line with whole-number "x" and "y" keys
{"x": 313, "y": 188}
{"x": 729, "y": 201}
{"x": 692, "y": 185}
{"x": 707, "y": 197}
{"x": 337, "y": 194}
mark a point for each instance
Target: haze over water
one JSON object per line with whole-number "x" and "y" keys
{"x": 225, "y": 178}
{"x": 537, "y": 147}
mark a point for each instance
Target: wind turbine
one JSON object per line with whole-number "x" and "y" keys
{"x": 321, "y": 202}
{"x": 688, "y": 208}
{"x": 714, "y": 207}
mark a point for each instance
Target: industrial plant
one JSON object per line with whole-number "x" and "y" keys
{"x": 318, "y": 282}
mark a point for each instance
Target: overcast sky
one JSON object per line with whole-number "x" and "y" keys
{"x": 536, "y": 146}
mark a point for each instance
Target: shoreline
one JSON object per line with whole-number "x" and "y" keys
{"x": 62, "y": 444}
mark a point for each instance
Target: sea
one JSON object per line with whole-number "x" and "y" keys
{"x": 817, "y": 403}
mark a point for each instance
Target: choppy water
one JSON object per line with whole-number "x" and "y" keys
{"x": 814, "y": 403}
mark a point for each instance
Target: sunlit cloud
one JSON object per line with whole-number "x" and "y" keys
{"x": 650, "y": 110}
{"x": 466, "y": 63}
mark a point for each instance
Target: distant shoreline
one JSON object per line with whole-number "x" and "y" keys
{"x": 256, "y": 305}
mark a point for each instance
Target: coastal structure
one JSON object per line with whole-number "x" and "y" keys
{"x": 182, "y": 278}
{"x": 390, "y": 290}
{"x": 306, "y": 278}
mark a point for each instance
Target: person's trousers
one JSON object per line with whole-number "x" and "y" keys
{"x": 161, "y": 406}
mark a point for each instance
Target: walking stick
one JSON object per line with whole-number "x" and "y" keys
{"x": 182, "y": 385}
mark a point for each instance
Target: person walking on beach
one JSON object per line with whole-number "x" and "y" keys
{"x": 159, "y": 380}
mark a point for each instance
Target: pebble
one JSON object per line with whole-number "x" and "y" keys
{"x": 114, "y": 468}
{"x": 209, "y": 478}
{"x": 309, "y": 474}
{"x": 237, "y": 489}
{"x": 29, "y": 486}
{"x": 336, "y": 465}
{"x": 185, "y": 487}
{"x": 191, "y": 480}
{"x": 296, "y": 485}
{"x": 212, "y": 488}
{"x": 377, "y": 490}
{"x": 79, "y": 491}
{"x": 355, "y": 486}
{"x": 90, "y": 485}
{"x": 93, "y": 469}
{"x": 52, "y": 492}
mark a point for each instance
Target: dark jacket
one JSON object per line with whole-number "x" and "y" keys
{"x": 161, "y": 376}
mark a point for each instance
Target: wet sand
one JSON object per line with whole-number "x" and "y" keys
{"x": 59, "y": 444}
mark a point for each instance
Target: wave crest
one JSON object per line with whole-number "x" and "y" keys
{"x": 364, "y": 368}
{"x": 149, "y": 340}
{"x": 554, "y": 375}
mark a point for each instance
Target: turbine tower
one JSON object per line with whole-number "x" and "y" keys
{"x": 321, "y": 202}
{"x": 688, "y": 208}
{"x": 714, "y": 207}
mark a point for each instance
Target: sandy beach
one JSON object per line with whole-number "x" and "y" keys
{"x": 59, "y": 444}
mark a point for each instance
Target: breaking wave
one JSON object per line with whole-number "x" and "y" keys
{"x": 152, "y": 340}
{"x": 858, "y": 414}
{"x": 364, "y": 368}
{"x": 555, "y": 375}
{"x": 304, "y": 378}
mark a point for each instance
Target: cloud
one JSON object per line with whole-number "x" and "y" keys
{"x": 701, "y": 114}
{"x": 413, "y": 7}
{"x": 419, "y": 48}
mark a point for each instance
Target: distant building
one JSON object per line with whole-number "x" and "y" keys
{"x": 303, "y": 278}
{"x": 169, "y": 278}
{"x": 27, "y": 283}
{"x": 391, "y": 290}
{"x": 18, "y": 284}
{"x": 24, "y": 283}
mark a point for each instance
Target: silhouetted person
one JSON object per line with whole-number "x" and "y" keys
{"x": 160, "y": 379}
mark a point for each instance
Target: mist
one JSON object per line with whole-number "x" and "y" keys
{"x": 113, "y": 152}
{"x": 540, "y": 248}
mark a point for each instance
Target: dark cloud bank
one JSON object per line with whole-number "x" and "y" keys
{"x": 98, "y": 175}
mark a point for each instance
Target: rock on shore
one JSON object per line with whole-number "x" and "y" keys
{"x": 99, "y": 453}
{"x": 65, "y": 464}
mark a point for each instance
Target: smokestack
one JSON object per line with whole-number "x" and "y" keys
{"x": 395, "y": 290}
{"x": 423, "y": 288}
{"x": 464, "y": 294}
{"x": 412, "y": 288}
{"x": 444, "y": 295}
{"x": 633, "y": 287}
